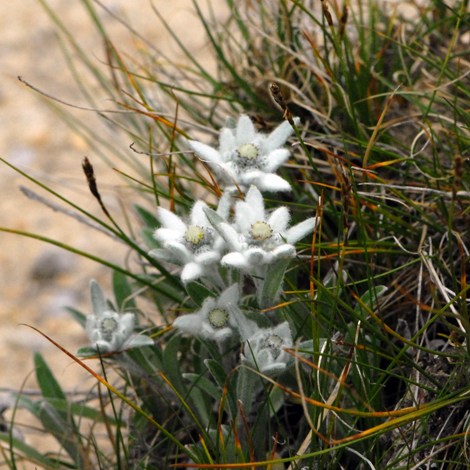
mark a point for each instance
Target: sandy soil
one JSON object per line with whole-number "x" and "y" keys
{"x": 37, "y": 279}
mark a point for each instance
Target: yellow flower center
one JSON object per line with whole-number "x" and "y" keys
{"x": 273, "y": 342}
{"x": 194, "y": 235}
{"x": 108, "y": 325}
{"x": 261, "y": 231}
{"x": 248, "y": 151}
{"x": 218, "y": 318}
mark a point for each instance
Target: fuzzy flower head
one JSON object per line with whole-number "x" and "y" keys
{"x": 218, "y": 319}
{"x": 110, "y": 331}
{"x": 196, "y": 245}
{"x": 265, "y": 349}
{"x": 258, "y": 239}
{"x": 246, "y": 157}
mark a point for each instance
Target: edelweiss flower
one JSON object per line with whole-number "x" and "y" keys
{"x": 218, "y": 318}
{"x": 108, "y": 330}
{"x": 265, "y": 349}
{"x": 196, "y": 245}
{"x": 246, "y": 157}
{"x": 257, "y": 239}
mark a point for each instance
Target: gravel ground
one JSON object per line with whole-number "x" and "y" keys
{"x": 37, "y": 279}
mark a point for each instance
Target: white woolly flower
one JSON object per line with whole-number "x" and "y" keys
{"x": 196, "y": 246}
{"x": 257, "y": 239}
{"x": 265, "y": 349}
{"x": 218, "y": 318}
{"x": 246, "y": 157}
{"x": 110, "y": 331}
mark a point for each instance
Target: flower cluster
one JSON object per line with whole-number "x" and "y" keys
{"x": 195, "y": 245}
{"x": 220, "y": 249}
{"x": 246, "y": 157}
{"x": 218, "y": 319}
{"x": 109, "y": 331}
{"x": 212, "y": 246}
{"x": 265, "y": 349}
{"x": 256, "y": 239}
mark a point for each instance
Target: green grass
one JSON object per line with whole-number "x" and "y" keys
{"x": 379, "y": 297}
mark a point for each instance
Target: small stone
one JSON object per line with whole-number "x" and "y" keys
{"x": 50, "y": 265}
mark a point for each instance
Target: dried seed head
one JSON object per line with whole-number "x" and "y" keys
{"x": 343, "y": 20}
{"x": 326, "y": 12}
{"x": 277, "y": 95}
{"x": 279, "y": 99}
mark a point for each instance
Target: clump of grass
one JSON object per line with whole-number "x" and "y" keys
{"x": 376, "y": 300}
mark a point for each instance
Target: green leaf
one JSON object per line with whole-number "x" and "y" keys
{"x": 261, "y": 320}
{"x": 147, "y": 236}
{"x": 201, "y": 405}
{"x": 198, "y": 292}
{"x": 220, "y": 377}
{"x": 246, "y": 385}
{"x": 205, "y": 385}
{"x": 213, "y": 350}
{"x": 328, "y": 300}
{"x": 77, "y": 315}
{"x": 122, "y": 292}
{"x": 149, "y": 358}
{"x": 164, "y": 287}
{"x": 87, "y": 351}
{"x": 98, "y": 300}
{"x": 84, "y": 411}
{"x": 172, "y": 371}
{"x": 172, "y": 368}
{"x": 147, "y": 217}
{"x": 369, "y": 299}
{"x": 52, "y": 419}
{"x": 30, "y": 453}
{"x": 62, "y": 429}
{"x": 213, "y": 217}
{"x": 25, "y": 402}
{"x": 276, "y": 396}
{"x": 307, "y": 346}
{"x": 141, "y": 341}
{"x": 272, "y": 283}
{"x": 49, "y": 386}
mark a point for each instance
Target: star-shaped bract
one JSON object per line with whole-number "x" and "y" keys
{"x": 257, "y": 239}
{"x": 195, "y": 246}
{"x": 265, "y": 349}
{"x": 218, "y": 318}
{"x": 108, "y": 330}
{"x": 246, "y": 157}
